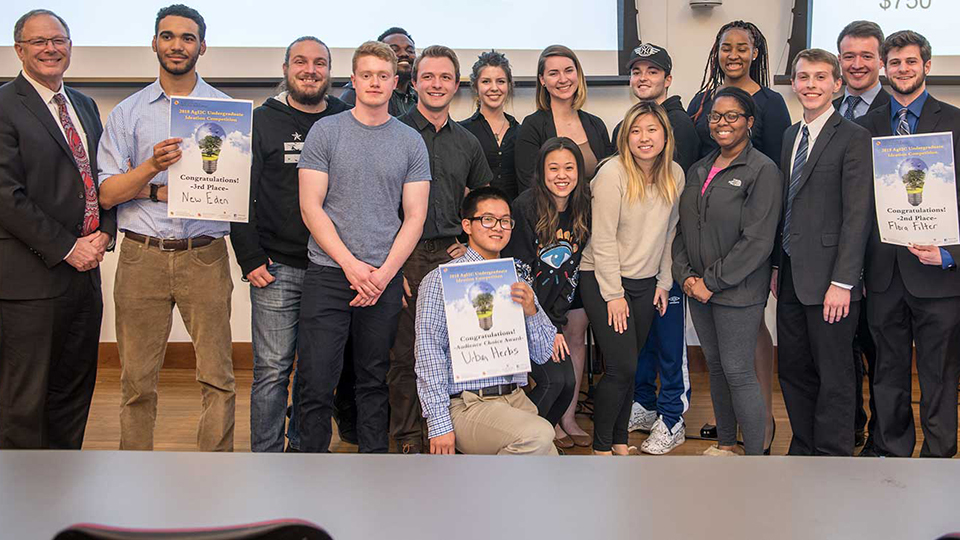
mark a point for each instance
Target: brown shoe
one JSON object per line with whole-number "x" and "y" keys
{"x": 582, "y": 441}
{"x": 565, "y": 443}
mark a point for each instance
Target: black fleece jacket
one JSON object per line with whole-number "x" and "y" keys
{"x": 275, "y": 229}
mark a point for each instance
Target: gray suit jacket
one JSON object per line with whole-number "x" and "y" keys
{"x": 832, "y": 210}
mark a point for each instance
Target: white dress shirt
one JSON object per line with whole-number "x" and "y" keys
{"x": 46, "y": 95}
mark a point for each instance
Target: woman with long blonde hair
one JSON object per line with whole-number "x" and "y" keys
{"x": 625, "y": 272}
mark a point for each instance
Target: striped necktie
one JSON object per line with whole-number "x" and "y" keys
{"x": 903, "y": 127}
{"x": 798, "y": 163}
{"x": 852, "y": 103}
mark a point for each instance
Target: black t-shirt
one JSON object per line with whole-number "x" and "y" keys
{"x": 552, "y": 270}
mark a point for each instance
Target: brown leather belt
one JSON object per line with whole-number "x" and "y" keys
{"x": 436, "y": 244}
{"x": 170, "y": 244}
{"x": 495, "y": 390}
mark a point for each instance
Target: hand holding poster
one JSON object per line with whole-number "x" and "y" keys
{"x": 916, "y": 189}
{"x": 488, "y": 333}
{"x": 212, "y": 178}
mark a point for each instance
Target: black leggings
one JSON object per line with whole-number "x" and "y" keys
{"x": 614, "y": 397}
{"x": 556, "y": 383}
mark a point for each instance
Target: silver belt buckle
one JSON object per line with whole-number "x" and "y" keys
{"x": 163, "y": 248}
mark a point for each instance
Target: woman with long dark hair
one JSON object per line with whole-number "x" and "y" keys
{"x": 552, "y": 228}
{"x": 729, "y": 212}
{"x": 739, "y": 59}
{"x": 625, "y": 272}
{"x": 492, "y": 81}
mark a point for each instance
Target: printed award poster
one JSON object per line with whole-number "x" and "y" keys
{"x": 488, "y": 334}
{"x": 212, "y": 178}
{"x": 916, "y": 189}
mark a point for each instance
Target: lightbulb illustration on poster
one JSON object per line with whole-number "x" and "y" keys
{"x": 915, "y": 186}
{"x": 488, "y": 335}
{"x": 212, "y": 179}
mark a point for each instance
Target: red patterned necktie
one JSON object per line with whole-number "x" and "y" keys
{"x": 91, "y": 212}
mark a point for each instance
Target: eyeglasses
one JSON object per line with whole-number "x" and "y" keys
{"x": 489, "y": 222}
{"x": 730, "y": 116}
{"x": 41, "y": 43}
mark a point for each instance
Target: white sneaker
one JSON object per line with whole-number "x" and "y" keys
{"x": 661, "y": 440}
{"x": 641, "y": 419}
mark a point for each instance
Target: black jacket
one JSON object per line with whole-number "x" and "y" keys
{"x": 687, "y": 151}
{"x": 41, "y": 193}
{"x": 922, "y": 281}
{"x": 552, "y": 271}
{"x": 832, "y": 211}
{"x": 275, "y": 228}
{"x": 726, "y": 236}
{"x": 539, "y": 126}
{"x": 883, "y": 98}
{"x": 773, "y": 118}
{"x": 500, "y": 157}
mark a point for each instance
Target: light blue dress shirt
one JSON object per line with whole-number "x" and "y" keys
{"x": 133, "y": 128}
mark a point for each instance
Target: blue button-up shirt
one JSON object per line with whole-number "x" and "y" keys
{"x": 866, "y": 99}
{"x": 133, "y": 128}
{"x": 434, "y": 369}
{"x": 913, "y": 112}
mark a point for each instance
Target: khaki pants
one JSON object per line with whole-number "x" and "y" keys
{"x": 500, "y": 425}
{"x": 149, "y": 283}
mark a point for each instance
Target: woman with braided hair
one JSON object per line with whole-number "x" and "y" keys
{"x": 739, "y": 59}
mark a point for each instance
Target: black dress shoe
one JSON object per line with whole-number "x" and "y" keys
{"x": 346, "y": 425}
{"x": 766, "y": 451}
{"x": 708, "y": 431}
{"x": 859, "y": 438}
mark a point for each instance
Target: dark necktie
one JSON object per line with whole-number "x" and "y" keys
{"x": 798, "y": 163}
{"x": 852, "y": 102}
{"x": 91, "y": 211}
{"x": 903, "y": 127}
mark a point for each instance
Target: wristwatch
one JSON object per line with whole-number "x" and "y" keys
{"x": 154, "y": 188}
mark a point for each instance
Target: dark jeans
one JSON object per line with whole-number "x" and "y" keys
{"x": 407, "y": 425}
{"x": 48, "y": 367}
{"x": 556, "y": 383}
{"x": 326, "y": 319}
{"x": 614, "y": 397}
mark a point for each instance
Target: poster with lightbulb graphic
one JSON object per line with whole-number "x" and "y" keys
{"x": 212, "y": 179}
{"x": 488, "y": 333}
{"x": 915, "y": 184}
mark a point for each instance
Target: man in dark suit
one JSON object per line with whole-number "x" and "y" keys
{"x": 859, "y": 47}
{"x": 819, "y": 254}
{"x": 914, "y": 291}
{"x": 52, "y": 239}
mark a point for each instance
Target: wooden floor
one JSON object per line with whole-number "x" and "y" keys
{"x": 179, "y": 411}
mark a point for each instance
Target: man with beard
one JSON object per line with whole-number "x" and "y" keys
{"x": 458, "y": 164}
{"x": 163, "y": 261}
{"x": 914, "y": 291}
{"x": 271, "y": 247}
{"x": 404, "y": 96}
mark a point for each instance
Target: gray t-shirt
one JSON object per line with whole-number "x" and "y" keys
{"x": 367, "y": 168}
